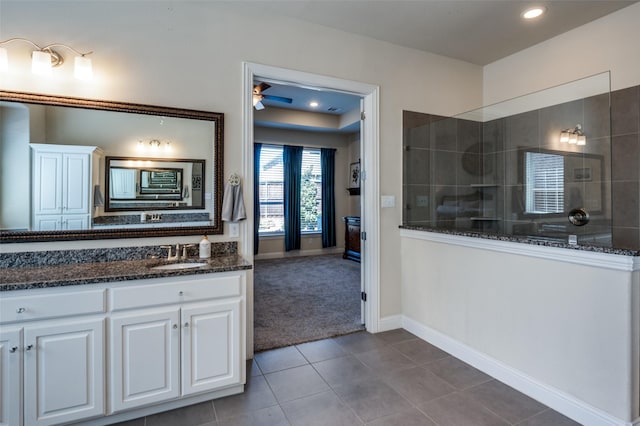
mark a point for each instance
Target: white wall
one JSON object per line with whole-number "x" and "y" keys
{"x": 14, "y": 177}
{"x": 190, "y": 54}
{"x": 607, "y": 44}
{"x": 566, "y": 326}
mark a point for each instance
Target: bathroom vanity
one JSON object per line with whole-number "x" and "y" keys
{"x": 125, "y": 337}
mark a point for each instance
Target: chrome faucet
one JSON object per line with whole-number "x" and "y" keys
{"x": 170, "y": 256}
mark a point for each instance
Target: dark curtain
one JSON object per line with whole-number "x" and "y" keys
{"x": 257, "y": 148}
{"x": 328, "y": 164}
{"x": 292, "y": 159}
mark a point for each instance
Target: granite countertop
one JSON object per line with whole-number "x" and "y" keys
{"x": 23, "y": 278}
{"x": 539, "y": 241}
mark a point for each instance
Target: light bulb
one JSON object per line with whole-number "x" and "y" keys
{"x": 83, "y": 69}
{"x": 573, "y": 138}
{"x": 41, "y": 62}
{"x": 4, "y": 60}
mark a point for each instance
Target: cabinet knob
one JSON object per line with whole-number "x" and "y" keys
{"x": 175, "y": 326}
{"x": 21, "y": 310}
{"x": 29, "y": 347}
{"x": 13, "y": 349}
{"x": 186, "y": 324}
{"x": 181, "y": 293}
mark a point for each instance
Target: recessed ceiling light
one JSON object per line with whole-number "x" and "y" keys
{"x": 533, "y": 13}
{"x": 313, "y": 104}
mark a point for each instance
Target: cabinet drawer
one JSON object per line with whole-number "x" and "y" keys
{"x": 51, "y": 304}
{"x": 184, "y": 290}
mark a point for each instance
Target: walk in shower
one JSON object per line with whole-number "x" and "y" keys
{"x": 537, "y": 166}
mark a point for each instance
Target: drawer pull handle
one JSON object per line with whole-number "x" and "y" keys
{"x": 21, "y": 310}
{"x": 13, "y": 349}
{"x": 186, "y": 324}
{"x": 181, "y": 293}
{"x": 175, "y": 326}
{"x": 29, "y": 347}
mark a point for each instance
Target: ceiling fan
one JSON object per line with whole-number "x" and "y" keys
{"x": 258, "y": 96}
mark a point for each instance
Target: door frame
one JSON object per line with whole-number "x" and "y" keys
{"x": 369, "y": 149}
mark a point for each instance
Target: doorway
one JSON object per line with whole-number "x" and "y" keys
{"x": 369, "y": 182}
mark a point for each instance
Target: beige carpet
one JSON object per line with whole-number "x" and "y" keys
{"x": 303, "y": 299}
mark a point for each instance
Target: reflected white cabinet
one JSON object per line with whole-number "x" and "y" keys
{"x": 63, "y": 178}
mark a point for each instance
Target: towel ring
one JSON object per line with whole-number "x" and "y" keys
{"x": 234, "y": 179}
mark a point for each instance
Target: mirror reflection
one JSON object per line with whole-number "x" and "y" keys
{"x": 157, "y": 184}
{"x": 58, "y": 182}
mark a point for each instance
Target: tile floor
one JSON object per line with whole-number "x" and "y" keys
{"x": 391, "y": 378}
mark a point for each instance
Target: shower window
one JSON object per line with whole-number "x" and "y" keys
{"x": 544, "y": 183}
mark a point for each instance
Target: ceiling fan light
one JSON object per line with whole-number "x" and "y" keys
{"x": 41, "y": 62}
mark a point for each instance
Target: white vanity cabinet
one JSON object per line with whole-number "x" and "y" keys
{"x": 63, "y": 177}
{"x": 52, "y": 365}
{"x": 172, "y": 339}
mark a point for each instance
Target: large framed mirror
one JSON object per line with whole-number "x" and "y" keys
{"x": 59, "y": 157}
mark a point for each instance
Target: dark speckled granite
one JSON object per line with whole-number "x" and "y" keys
{"x": 122, "y": 270}
{"x": 526, "y": 240}
{"x": 164, "y": 218}
{"x": 71, "y": 257}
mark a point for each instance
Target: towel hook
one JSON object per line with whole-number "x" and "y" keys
{"x": 234, "y": 179}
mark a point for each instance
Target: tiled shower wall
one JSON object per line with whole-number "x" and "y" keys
{"x": 465, "y": 175}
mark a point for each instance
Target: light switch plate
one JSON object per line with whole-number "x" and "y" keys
{"x": 207, "y": 195}
{"x": 234, "y": 229}
{"x": 387, "y": 201}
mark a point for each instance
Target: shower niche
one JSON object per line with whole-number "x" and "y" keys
{"x": 517, "y": 168}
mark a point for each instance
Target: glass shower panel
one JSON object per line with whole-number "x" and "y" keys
{"x": 520, "y": 167}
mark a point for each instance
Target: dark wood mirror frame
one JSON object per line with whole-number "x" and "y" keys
{"x": 92, "y": 234}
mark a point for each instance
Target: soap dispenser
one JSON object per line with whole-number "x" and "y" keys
{"x": 205, "y": 248}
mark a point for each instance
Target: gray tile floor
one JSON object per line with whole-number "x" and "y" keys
{"x": 388, "y": 379}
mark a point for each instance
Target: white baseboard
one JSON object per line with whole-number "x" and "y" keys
{"x": 566, "y": 404}
{"x": 391, "y": 322}
{"x": 299, "y": 253}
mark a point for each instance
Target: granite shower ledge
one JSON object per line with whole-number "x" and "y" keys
{"x": 102, "y": 272}
{"x": 528, "y": 240}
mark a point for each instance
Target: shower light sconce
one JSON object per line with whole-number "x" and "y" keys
{"x": 574, "y": 136}
{"x": 44, "y": 59}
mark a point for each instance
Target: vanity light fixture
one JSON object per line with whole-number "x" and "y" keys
{"x": 44, "y": 58}
{"x": 533, "y": 12}
{"x": 154, "y": 145}
{"x": 574, "y": 136}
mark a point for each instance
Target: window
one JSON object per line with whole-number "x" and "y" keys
{"x": 544, "y": 183}
{"x": 272, "y": 191}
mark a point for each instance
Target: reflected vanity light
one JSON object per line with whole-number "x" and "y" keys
{"x": 574, "y": 136}
{"x": 154, "y": 145}
{"x": 44, "y": 59}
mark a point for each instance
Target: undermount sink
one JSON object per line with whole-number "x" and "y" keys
{"x": 184, "y": 265}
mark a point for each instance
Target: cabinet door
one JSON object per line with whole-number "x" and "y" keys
{"x": 145, "y": 351}
{"x": 47, "y": 223}
{"x": 64, "y": 372}
{"x": 75, "y": 222}
{"x": 10, "y": 377}
{"x": 47, "y": 181}
{"x": 76, "y": 181}
{"x": 210, "y": 346}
